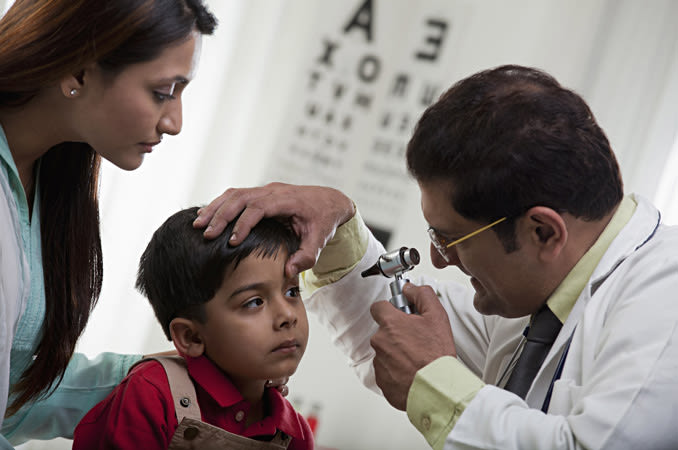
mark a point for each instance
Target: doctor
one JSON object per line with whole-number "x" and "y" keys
{"x": 522, "y": 192}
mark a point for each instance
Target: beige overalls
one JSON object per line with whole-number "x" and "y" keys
{"x": 193, "y": 433}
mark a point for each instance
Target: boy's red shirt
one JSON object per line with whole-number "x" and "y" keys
{"x": 139, "y": 413}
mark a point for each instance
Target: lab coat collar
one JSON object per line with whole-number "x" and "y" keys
{"x": 638, "y": 231}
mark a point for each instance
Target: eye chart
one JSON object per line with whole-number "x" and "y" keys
{"x": 377, "y": 65}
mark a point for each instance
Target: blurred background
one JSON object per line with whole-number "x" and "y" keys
{"x": 327, "y": 92}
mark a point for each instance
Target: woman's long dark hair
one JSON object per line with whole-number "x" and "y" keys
{"x": 40, "y": 42}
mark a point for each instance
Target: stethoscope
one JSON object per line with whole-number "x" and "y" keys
{"x": 556, "y": 375}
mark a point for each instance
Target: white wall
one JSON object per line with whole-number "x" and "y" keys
{"x": 622, "y": 56}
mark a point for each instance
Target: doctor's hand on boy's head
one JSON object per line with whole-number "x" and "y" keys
{"x": 314, "y": 212}
{"x": 404, "y": 343}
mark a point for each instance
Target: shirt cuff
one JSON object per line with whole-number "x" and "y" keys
{"x": 439, "y": 394}
{"x": 341, "y": 254}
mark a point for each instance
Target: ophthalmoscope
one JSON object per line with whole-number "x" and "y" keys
{"x": 395, "y": 264}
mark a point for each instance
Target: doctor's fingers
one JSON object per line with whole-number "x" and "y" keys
{"x": 393, "y": 382}
{"x": 424, "y": 299}
{"x": 399, "y": 334}
{"x": 255, "y": 203}
{"x": 385, "y": 314}
{"x": 403, "y": 344}
{"x": 226, "y": 207}
{"x": 326, "y": 207}
{"x": 428, "y": 333}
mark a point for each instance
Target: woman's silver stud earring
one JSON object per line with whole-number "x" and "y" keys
{"x": 73, "y": 92}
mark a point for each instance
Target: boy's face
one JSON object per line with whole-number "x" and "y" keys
{"x": 256, "y": 326}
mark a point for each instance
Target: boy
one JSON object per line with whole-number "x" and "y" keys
{"x": 237, "y": 321}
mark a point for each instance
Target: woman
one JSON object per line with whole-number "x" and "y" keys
{"x": 79, "y": 80}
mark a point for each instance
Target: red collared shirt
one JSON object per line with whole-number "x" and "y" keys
{"x": 139, "y": 413}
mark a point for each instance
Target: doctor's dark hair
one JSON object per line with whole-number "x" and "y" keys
{"x": 510, "y": 138}
{"x": 41, "y": 41}
{"x": 180, "y": 270}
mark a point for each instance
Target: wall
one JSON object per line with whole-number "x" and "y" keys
{"x": 250, "y": 95}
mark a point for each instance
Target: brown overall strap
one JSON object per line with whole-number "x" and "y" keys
{"x": 192, "y": 433}
{"x": 181, "y": 386}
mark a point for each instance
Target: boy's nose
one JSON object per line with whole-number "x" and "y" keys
{"x": 286, "y": 316}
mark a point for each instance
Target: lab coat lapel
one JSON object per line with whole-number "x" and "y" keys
{"x": 636, "y": 233}
{"x": 537, "y": 393}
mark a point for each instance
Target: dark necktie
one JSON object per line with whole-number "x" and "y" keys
{"x": 540, "y": 335}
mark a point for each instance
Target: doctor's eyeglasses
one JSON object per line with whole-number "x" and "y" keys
{"x": 442, "y": 244}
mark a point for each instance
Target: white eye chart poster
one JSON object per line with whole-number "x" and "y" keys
{"x": 375, "y": 67}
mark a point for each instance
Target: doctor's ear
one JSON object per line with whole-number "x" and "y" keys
{"x": 186, "y": 337}
{"x": 548, "y": 231}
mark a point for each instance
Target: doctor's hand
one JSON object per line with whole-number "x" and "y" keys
{"x": 405, "y": 343}
{"x": 314, "y": 212}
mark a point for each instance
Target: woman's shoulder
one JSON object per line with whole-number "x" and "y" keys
{"x": 141, "y": 405}
{"x": 144, "y": 388}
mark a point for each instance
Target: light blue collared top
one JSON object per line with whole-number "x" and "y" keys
{"x": 86, "y": 382}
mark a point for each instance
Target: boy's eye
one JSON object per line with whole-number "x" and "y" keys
{"x": 253, "y": 303}
{"x": 293, "y": 292}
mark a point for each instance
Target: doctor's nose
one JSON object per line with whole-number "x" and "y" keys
{"x": 439, "y": 262}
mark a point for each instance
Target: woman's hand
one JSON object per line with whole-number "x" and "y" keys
{"x": 314, "y": 212}
{"x": 280, "y": 384}
{"x": 165, "y": 353}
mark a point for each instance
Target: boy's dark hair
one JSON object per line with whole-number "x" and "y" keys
{"x": 181, "y": 270}
{"x": 510, "y": 138}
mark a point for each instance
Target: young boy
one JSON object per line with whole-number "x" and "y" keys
{"x": 236, "y": 321}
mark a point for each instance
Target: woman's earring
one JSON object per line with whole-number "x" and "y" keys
{"x": 73, "y": 92}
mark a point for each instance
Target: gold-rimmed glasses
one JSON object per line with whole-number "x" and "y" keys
{"x": 441, "y": 243}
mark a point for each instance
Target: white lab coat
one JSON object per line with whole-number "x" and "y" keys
{"x": 619, "y": 383}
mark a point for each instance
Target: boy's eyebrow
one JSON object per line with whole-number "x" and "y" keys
{"x": 247, "y": 287}
{"x": 259, "y": 285}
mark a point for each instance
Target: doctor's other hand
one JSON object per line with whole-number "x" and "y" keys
{"x": 405, "y": 343}
{"x": 314, "y": 212}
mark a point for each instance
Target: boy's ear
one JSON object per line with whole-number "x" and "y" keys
{"x": 186, "y": 337}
